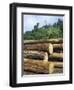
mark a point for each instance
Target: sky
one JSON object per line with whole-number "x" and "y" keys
{"x": 30, "y": 20}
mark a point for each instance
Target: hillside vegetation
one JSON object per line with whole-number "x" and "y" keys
{"x": 45, "y": 32}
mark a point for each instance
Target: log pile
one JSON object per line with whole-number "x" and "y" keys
{"x": 43, "y": 56}
{"x": 39, "y": 67}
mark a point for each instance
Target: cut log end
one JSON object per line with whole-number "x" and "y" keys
{"x": 46, "y": 57}
{"x": 51, "y": 67}
{"x": 50, "y": 49}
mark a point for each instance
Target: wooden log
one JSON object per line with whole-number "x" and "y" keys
{"x": 58, "y": 67}
{"x": 57, "y": 70}
{"x": 58, "y": 64}
{"x": 56, "y": 57}
{"x": 40, "y": 47}
{"x": 57, "y": 40}
{"x": 58, "y": 48}
{"x": 55, "y": 67}
{"x": 57, "y": 45}
{"x": 36, "y": 66}
{"x": 36, "y": 55}
{"x": 39, "y": 67}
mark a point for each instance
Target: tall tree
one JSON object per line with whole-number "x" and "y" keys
{"x": 36, "y": 26}
{"x": 60, "y": 24}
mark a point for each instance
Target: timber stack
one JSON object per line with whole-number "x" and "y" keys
{"x": 43, "y": 56}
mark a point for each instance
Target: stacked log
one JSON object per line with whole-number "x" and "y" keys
{"x": 56, "y": 57}
{"x": 51, "y": 45}
{"x": 53, "y": 41}
{"x": 55, "y": 67}
{"x": 57, "y": 45}
{"x": 43, "y": 56}
{"x": 46, "y": 47}
{"x": 35, "y": 55}
{"x": 36, "y": 66}
{"x": 58, "y": 48}
{"x": 39, "y": 67}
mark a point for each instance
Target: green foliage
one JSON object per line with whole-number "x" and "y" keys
{"x": 54, "y": 31}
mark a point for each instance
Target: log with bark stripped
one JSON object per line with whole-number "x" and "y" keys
{"x": 47, "y": 47}
{"x": 56, "y": 67}
{"x": 59, "y": 40}
{"x": 56, "y": 57}
{"x": 36, "y": 55}
{"x": 58, "y": 48}
{"x": 36, "y": 66}
{"x": 58, "y": 45}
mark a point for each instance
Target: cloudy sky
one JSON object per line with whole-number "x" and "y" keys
{"x": 31, "y": 20}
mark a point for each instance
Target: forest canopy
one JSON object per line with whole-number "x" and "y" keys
{"x": 45, "y": 32}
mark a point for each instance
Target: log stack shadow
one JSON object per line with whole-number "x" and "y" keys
{"x": 43, "y": 56}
